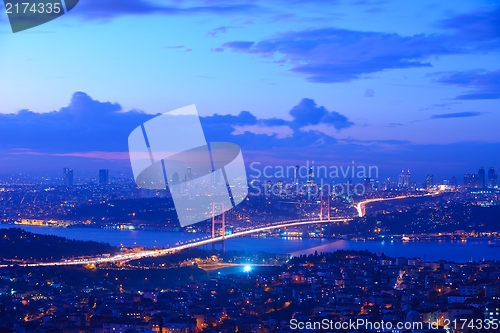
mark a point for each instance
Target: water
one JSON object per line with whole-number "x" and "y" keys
{"x": 430, "y": 250}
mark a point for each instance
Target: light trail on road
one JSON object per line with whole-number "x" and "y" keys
{"x": 360, "y": 206}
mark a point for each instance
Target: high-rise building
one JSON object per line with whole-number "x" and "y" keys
{"x": 103, "y": 176}
{"x": 401, "y": 179}
{"x": 492, "y": 178}
{"x": 467, "y": 180}
{"x": 296, "y": 175}
{"x": 368, "y": 185}
{"x": 279, "y": 187}
{"x": 388, "y": 184}
{"x": 453, "y": 181}
{"x": 407, "y": 179}
{"x": 471, "y": 180}
{"x": 68, "y": 177}
{"x": 175, "y": 178}
{"x": 189, "y": 174}
{"x": 269, "y": 187}
{"x": 429, "y": 181}
{"x": 310, "y": 178}
{"x": 481, "y": 177}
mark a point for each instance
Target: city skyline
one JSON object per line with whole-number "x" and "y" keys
{"x": 403, "y": 180}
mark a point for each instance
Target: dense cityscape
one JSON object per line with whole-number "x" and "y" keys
{"x": 199, "y": 290}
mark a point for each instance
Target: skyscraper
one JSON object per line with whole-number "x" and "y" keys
{"x": 481, "y": 177}
{"x": 471, "y": 180}
{"x": 269, "y": 187}
{"x": 175, "y": 178}
{"x": 492, "y": 178}
{"x": 468, "y": 180}
{"x": 68, "y": 177}
{"x": 429, "y": 181}
{"x": 407, "y": 179}
{"x": 401, "y": 179}
{"x": 296, "y": 175}
{"x": 311, "y": 175}
{"x": 368, "y": 185}
{"x": 453, "y": 181}
{"x": 388, "y": 184}
{"x": 103, "y": 176}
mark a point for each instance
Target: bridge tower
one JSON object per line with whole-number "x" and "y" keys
{"x": 328, "y": 198}
{"x": 321, "y": 206}
{"x": 223, "y": 225}
{"x": 321, "y": 209}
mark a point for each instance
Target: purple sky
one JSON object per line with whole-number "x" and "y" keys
{"x": 375, "y": 82}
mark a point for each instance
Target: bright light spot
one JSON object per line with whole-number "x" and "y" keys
{"x": 247, "y": 268}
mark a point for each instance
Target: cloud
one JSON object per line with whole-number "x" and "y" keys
{"x": 331, "y": 55}
{"x": 239, "y": 45}
{"x": 254, "y": 133}
{"x": 484, "y": 84}
{"x": 174, "y": 47}
{"x": 481, "y": 26}
{"x": 456, "y": 115}
{"x": 440, "y": 106}
{"x": 90, "y": 134}
{"x": 339, "y": 55}
{"x": 281, "y": 132}
{"x": 216, "y": 31}
{"x": 87, "y": 125}
{"x": 84, "y": 125}
{"x": 307, "y": 113}
{"x": 369, "y": 93}
{"x": 104, "y": 155}
{"x": 217, "y": 49}
{"x": 109, "y": 9}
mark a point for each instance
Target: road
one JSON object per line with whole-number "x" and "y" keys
{"x": 361, "y": 206}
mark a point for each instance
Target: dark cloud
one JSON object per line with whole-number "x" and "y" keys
{"x": 87, "y": 125}
{"x": 239, "y": 45}
{"x": 216, "y": 31}
{"x": 217, "y": 49}
{"x": 338, "y": 55}
{"x": 484, "y": 84}
{"x": 476, "y": 26}
{"x": 456, "y": 115}
{"x": 89, "y": 134}
{"x": 108, "y": 9}
{"x": 369, "y": 93}
{"x": 175, "y": 47}
{"x": 307, "y": 113}
{"x": 440, "y": 106}
{"x": 222, "y": 127}
{"x": 84, "y": 125}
